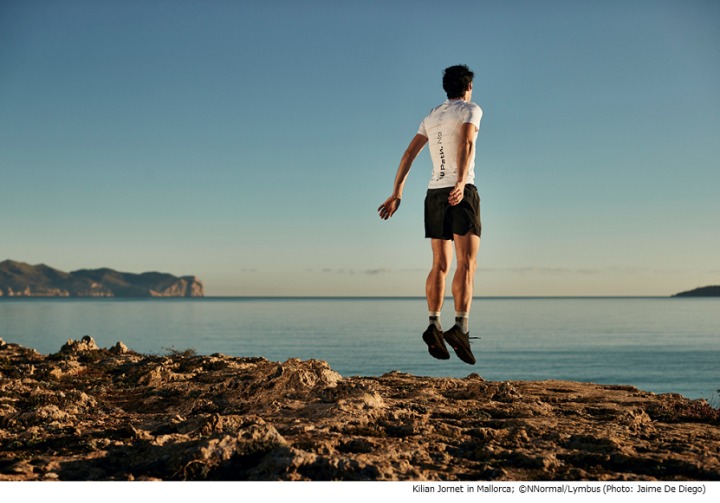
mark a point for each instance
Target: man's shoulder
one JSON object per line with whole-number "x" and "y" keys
{"x": 463, "y": 106}
{"x": 473, "y": 112}
{"x": 471, "y": 105}
{"x": 455, "y": 106}
{"x": 437, "y": 107}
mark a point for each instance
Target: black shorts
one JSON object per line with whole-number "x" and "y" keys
{"x": 442, "y": 221}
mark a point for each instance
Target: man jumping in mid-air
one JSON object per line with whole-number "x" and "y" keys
{"x": 452, "y": 207}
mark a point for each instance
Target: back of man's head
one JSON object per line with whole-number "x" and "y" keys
{"x": 456, "y": 80}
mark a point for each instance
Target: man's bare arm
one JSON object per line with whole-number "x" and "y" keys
{"x": 466, "y": 150}
{"x": 392, "y": 203}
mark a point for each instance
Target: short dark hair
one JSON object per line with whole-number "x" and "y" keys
{"x": 456, "y": 80}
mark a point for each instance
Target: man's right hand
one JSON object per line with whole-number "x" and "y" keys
{"x": 389, "y": 207}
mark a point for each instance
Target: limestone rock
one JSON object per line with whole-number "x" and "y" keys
{"x": 87, "y": 413}
{"x": 87, "y": 343}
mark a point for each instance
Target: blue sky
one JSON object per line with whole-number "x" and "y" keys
{"x": 250, "y": 143}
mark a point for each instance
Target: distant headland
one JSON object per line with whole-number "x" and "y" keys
{"x": 18, "y": 279}
{"x": 705, "y": 291}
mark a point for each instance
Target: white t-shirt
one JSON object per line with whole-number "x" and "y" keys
{"x": 442, "y": 127}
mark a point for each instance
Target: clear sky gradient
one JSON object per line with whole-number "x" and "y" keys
{"x": 250, "y": 143}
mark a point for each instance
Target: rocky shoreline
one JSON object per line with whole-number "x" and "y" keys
{"x": 87, "y": 413}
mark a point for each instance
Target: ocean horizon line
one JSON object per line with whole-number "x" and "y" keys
{"x": 338, "y": 297}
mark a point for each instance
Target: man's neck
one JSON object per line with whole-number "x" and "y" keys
{"x": 467, "y": 96}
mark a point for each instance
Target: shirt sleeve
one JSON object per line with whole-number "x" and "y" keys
{"x": 422, "y": 130}
{"x": 474, "y": 114}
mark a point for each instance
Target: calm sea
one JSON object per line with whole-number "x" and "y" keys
{"x": 656, "y": 344}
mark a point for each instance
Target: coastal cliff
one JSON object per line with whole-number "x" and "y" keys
{"x": 18, "y": 279}
{"x": 86, "y": 413}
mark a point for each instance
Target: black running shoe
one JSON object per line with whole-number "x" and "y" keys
{"x": 460, "y": 342}
{"x": 433, "y": 337}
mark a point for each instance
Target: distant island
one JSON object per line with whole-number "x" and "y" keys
{"x": 705, "y": 291}
{"x": 18, "y": 279}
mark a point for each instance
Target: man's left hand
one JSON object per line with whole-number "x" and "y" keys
{"x": 456, "y": 194}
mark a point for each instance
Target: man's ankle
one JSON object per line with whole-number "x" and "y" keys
{"x": 434, "y": 317}
{"x": 462, "y": 321}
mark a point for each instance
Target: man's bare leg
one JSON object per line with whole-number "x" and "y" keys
{"x": 435, "y": 284}
{"x": 435, "y": 292}
{"x": 466, "y": 249}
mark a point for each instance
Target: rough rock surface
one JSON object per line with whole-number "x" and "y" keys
{"x": 87, "y": 413}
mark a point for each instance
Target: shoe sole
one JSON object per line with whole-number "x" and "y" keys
{"x": 436, "y": 351}
{"x": 460, "y": 349}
